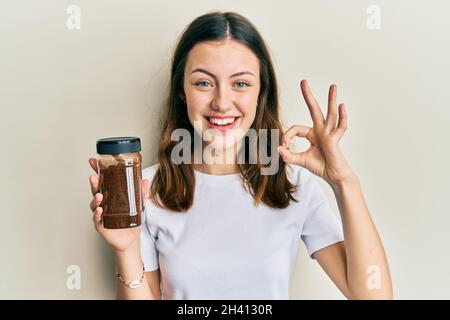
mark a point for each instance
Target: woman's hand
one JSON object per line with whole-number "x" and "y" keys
{"x": 324, "y": 157}
{"x": 119, "y": 239}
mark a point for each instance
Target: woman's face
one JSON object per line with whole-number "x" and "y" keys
{"x": 221, "y": 85}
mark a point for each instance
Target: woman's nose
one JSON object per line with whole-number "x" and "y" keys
{"x": 222, "y": 103}
{"x": 221, "y": 107}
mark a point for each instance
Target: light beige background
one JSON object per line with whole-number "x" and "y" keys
{"x": 60, "y": 90}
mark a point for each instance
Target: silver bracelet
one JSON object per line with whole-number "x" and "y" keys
{"x": 132, "y": 284}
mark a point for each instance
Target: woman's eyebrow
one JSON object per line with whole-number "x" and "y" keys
{"x": 233, "y": 75}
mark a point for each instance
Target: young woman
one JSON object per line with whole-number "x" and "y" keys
{"x": 225, "y": 230}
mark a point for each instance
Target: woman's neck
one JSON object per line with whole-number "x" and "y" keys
{"x": 216, "y": 169}
{"x": 226, "y": 161}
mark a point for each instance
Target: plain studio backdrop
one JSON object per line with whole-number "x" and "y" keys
{"x": 61, "y": 89}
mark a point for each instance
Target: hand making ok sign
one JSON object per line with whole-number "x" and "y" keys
{"x": 324, "y": 157}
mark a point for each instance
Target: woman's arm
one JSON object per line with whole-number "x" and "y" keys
{"x": 126, "y": 246}
{"x": 357, "y": 266}
{"x": 129, "y": 266}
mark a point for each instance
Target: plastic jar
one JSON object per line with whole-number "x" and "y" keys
{"x": 120, "y": 176}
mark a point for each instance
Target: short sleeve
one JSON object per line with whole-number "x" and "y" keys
{"x": 149, "y": 252}
{"x": 322, "y": 226}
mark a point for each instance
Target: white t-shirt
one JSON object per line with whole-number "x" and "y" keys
{"x": 225, "y": 247}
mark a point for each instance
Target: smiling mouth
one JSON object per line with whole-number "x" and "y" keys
{"x": 222, "y": 123}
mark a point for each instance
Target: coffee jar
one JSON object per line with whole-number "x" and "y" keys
{"x": 120, "y": 175}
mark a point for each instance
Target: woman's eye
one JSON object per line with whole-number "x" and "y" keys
{"x": 201, "y": 82}
{"x": 242, "y": 82}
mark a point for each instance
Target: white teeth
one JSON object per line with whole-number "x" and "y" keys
{"x": 221, "y": 122}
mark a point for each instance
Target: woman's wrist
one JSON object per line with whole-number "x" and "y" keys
{"x": 348, "y": 182}
{"x": 132, "y": 283}
{"x": 133, "y": 250}
{"x": 129, "y": 264}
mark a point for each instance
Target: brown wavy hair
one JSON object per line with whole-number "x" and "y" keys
{"x": 174, "y": 184}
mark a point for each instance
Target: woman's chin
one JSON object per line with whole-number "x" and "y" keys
{"x": 222, "y": 144}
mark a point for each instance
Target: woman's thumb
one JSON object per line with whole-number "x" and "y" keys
{"x": 292, "y": 157}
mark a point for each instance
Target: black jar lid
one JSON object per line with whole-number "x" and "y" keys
{"x": 118, "y": 145}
